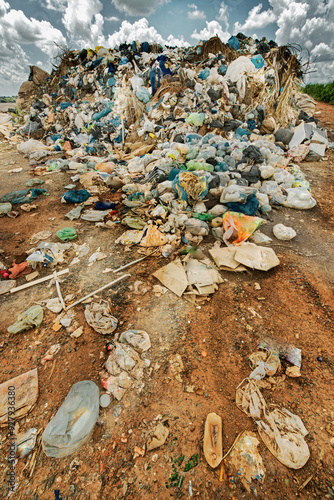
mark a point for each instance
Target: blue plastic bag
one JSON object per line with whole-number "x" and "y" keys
{"x": 23, "y": 196}
{"x": 101, "y": 114}
{"x": 234, "y": 43}
{"x": 204, "y": 74}
{"x": 258, "y": 61}
{"x": 145, "y": 47}
{"x": 76, "y": 196}
{"x": 249, "y": 208}
{"x": 223, "y": 69}
{"x": 143, "y": 94}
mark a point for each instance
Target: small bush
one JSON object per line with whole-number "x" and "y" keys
{"x": 320, "y": 91}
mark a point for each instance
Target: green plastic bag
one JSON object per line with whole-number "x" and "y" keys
{"x": 28, "y": 319}
{"x": 196, "y": 119}
{"x": 67, "y": 234}
{"x": 197, "y": 165}
{"x": 205, "y": 216}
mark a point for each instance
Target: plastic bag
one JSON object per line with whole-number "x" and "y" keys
{"x": 28, "y": 319}
{"x": 284, "y": 233}
{"x": 203, "y": 75}
{"x": 31, "y": 146}
{"x": 190, "y": 187}
{"x": 153, "y": 237}
{"x": 5, "y": 208}
{"x": 196, "y": 119}
{"x": 136, "y": 82}
{"x": 67, "y": 234}
{"x": 138, "y": 339}
{"x": 238, "y": 227}
{"x": 23, "y": 196}
{"x": 299, "y": 198}
{"x": 143, "y": 94}
{"x": 234, "y": 43}
{"x": 197, "y": 165}
{"x": 99, "y": 318}
{"x": 74, "y": 422}
{"x": 197, "y": 227}
{"x": 250, "y": 207}
{"x": 75, "y": 196}
{"x": 258, "y": 61}
{"x": 282, "y": 432}
{"x": 237, "y": 72}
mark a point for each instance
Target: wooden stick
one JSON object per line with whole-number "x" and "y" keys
{"x": 97, "y": 291}
{"x": 53, "y": 367}
{"x": 36, "y": 282}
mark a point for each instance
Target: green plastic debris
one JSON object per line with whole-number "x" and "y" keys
{"x": 135, "y": 222}
{"x": 204, "y": 217}
{"x": 197, "y": 165}
{"x": 196, "y": 119}
{"x": 28, "y": 319}
{"x": 67, "y": 234}
{"x": 192, "y": 153}
{"x": 34, "y": 182}
{"x": 5, "y": 208}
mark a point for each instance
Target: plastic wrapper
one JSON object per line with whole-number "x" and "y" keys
{"x": 74, "y": 422}
{"x": 28, "y": 319}
{"x": 99, "y": 318}
{"x": 239, "y": 227}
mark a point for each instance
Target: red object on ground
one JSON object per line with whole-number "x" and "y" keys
{"x": 19, "y": 270}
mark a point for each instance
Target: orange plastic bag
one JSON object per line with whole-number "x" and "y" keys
{"x": 238, "y": 227}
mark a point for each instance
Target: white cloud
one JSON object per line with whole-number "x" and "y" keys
{"x": 17, "y": 29}
{"x": 212, "y": 28}
{"x": 83, "y": 22}
{"x": 310, "y": 24}
{"x": 256, "y": 19}
{"x": 138, "y": 7}
{"x": 4, "y": 6}
{"x": 194, "y": 13}
{"x": 57, "y": 5}
{"x": 142, "y": 32}
{"x": 323, "y": 52}
{"x": 176, "y": 41}
{"x": 111, "y": 18}
{"x": 223, "y": 15}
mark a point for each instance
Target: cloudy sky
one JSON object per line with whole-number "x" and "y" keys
{"x": 28, "y": 29}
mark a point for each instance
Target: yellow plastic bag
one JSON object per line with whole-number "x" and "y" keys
{"x": 239, "y": 227}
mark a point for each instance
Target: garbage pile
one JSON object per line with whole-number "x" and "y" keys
{"x": 199, "y": 141}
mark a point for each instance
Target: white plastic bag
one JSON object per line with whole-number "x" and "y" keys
{"x": 299, "y": 198}
{"x": 74, "y": 422}
{"x": 284, "y": 233}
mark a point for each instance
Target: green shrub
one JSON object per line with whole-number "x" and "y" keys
{"x": 320, "y": 91}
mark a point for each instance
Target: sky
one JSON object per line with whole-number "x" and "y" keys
{"x": 29, "y": 29}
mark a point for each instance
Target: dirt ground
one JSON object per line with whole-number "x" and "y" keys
{"x": 292, "y": 302}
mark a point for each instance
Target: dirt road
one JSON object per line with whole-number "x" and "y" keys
{"x": 293, "y": 302}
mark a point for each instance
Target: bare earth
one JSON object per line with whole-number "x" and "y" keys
{"x": 295, "y": 303}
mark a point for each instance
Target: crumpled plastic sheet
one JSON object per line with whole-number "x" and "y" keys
{"x": 74, "y": 422}
{"x": 99, "y": 318}
{"x": 28, "y": 319}
{"x": 23, "y": 196}
{"x": 282, "y": 432}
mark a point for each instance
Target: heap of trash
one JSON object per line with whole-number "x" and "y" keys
{"x": 200, "y": 140}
